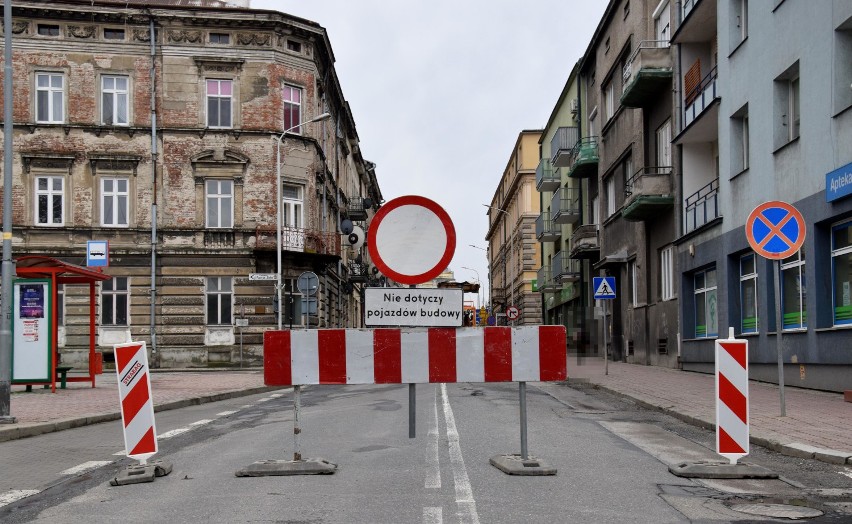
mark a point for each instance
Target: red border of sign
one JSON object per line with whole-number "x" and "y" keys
{"x": 797, "y": 216}
{"x": 442, "y": 215}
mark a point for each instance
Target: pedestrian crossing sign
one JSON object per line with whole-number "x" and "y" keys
{"x": 603, "y": 287}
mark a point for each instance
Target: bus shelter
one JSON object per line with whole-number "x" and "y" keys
{"x": 35, "y": 274}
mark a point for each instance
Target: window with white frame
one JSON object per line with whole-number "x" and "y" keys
{"x": 219, "y": 295}
{"x": 841, "y": 272}
{"x": 292, "y": 108}
{"x": 740, "y": 140}
{"x": 609, "y": 185}
{"x": 667, "y": 291}
{"x": 50, "y": 200}
{"x": 794, "y": 291}
{"x": 786, "y": 106}
{"x": 748, "y": 293}
{"x": 219, "y": 103}
{"x": 634, "y": 283}
{"x": 663, "y": 22}
{"x": 793, "y": 111}
{"x": 292, "y": 205}
{"x": 115, "y": 301}
{"x": 739, "y": 21}
{"x": 706, "y": 321}
{"x": 220, "y": 203}
{"x": 50, "y": 98}
{"x": 115, "y": 200}
{"x": 114, "y": 100}
{"x": 596, "y": 210}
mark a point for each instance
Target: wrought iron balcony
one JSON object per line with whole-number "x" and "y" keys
{"x": 545, "y": 229}
{"x": 546, "y": 178}
{"x": 358, "y": 206}
{"x": 565, "y": 205}
{"x": 561, "y": 145}
{"x": 358, "y": 272}
{"x": 647, "y": 73}
{"x": 647, "y": 193}
{"x": 565, "y": 269}
{"x": 585, "y": 242}
{"x": 298, "y": 240}
{"x": 584, "y": 158}
{"x": 702, "y": 206}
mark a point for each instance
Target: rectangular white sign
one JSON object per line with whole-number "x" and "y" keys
{"x": 394, "y": 306}
{"x": 31, "y": 359}
{"x": 263, "y": 276}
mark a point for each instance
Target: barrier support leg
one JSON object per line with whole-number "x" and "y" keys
{"x": 522, "y": 393}
{"x": 412, "y": 404}
{"x": 297, "y": 407}
{"x": 522, "y": 464}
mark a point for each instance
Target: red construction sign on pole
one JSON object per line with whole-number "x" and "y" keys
{"x": 137, "y": 407}
{"x": 732, "y": 413}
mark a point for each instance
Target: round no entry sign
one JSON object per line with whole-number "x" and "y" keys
{"x": 411, "y": 239}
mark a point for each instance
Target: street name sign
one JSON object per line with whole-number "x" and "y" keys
{"x": 425, "y": 307}
{"x": 263, "y": 276}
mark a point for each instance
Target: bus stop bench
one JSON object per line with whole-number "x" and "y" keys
{"x": 61, "y": 375}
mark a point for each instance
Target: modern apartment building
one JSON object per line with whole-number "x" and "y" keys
{"x": 764, "y": 91}
{"x": 159, "y": 128}
{"x": 512, "y": 247}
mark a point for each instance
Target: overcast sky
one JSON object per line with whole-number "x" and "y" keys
{"x": 440, "y": 90}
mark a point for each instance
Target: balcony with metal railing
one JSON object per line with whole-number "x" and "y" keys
{"x": 648, "y": 193}
{"x": 298, "y": 240}
{"x": 546, "y": 178}
{"x": 545, "y": 229}
{"x": 647, "y": 73}
{"x": 546, "y": 282}
{"x": 566, "y": 269}
{"x": 358, "y": 206}
{"x": 585, "y": 243}
{"x": 561, "y": 145}
{"x": 701, "y": 207}
{"x": 584, "y": 158}
{"x": 699, "y": 97}
{"x": 565, "y": 205}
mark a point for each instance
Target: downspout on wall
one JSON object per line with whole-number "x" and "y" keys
{"x": 155, "y": 357}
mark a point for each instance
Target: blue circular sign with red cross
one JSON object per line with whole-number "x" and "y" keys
{"x": 775, "y": 230}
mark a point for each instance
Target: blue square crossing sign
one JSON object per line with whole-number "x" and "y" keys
{"x": 603, "y": 288}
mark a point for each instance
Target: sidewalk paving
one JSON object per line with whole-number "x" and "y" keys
{"x": 818, "y": 424}
{"x": 41, "y": 411}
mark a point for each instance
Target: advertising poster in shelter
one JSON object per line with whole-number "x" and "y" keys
{"x": 31, "y": 326}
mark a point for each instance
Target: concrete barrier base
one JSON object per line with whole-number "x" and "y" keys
{"x": 266, "y": 468}
{"x": 515, "y": 465}
{"x": 721, "y": 470}
{"x": 138, "y": 473}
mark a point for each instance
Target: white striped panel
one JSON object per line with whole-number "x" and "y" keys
{"x": 732, "y": 370}
{"x": 359, "y": 357}
{"x": 415, "y": 357}
{"x": 470, "y": 355}
{"x": 141, "y": 423}
{"x": 141, "y": 356}
{"x": 525, "y": 361}
{"x": 733, "y": 426}
{"x": 304, "y": 356}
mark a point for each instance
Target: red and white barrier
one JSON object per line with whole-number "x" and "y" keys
{"x": 137, "y": 407}
{"x": 411, "y": 356}
{"x": 732, "y": 414}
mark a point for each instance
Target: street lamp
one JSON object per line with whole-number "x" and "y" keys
{"x": 490, "y": 281}
{"x": 479, "y": 281}
{"x": 279, "y": 285}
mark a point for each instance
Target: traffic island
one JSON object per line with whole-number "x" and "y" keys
{"x": 722, "y": 470}
{"x": 138, "y": 473}
{"x": 278, "y": 468}
{"x": 516, "y": 465}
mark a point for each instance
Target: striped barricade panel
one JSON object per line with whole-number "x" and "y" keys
{"x": 411, "y": 356}
{"x": 732, "y": 410}
{"x": 137, "y": 406}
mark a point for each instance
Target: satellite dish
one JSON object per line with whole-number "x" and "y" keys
{"x": 346, "y": 226}
{"x": 356, "y": 237}
{"x": 368, "y": 202}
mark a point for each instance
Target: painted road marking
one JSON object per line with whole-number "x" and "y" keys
{"x": 433, "y": 465}
{"x": 86, "y": 466}
{"x": 226, "y": 413}
{"x": 847, "y": 472}
{"x": 276, "y": 395}
{"x": 201, "y": 422}
{"x": 464, "y": 492}
{"x": 433, "y": 515}
{"x": 266, "y": 399}
{"x": 173, "y": 433}
{"x": 16, "y": 495}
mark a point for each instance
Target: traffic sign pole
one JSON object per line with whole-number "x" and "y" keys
{"x": 778, "y": 344}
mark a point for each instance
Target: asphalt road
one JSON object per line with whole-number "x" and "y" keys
{"x": 612, "y": 460}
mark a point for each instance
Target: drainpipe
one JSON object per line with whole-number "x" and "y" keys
{"x": 155, "y": 357}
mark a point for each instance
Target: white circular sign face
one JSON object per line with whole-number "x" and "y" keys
{"x": 411, "y": 239}
{"x": 307, "y": 283}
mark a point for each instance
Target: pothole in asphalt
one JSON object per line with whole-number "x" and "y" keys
{"x": 783, "y": 511}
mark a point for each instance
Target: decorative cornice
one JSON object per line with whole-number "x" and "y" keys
{"x": 115, "y": 162}
{"x": 184, "y": 36}
{"x": 254, "y": 39}
{"x": 141, "y": 35}
{"x": 84, "y": 31}
{"x": 47, "y": 161}
{"x": 218, "y": 65}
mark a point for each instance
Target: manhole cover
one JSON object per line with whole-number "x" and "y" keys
{"x": 783, "y": 511}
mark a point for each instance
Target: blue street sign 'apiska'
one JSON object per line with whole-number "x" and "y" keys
{"x": 603, "y": 288}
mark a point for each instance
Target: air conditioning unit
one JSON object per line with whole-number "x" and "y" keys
{"x": 575, "y": 106}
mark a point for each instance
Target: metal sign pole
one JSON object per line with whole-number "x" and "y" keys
{"x": 412, "y": 402}
{"x": 779, "y": 328}
{"x": 606, "y": 352}
{"x": 522, "y": 392}
{"x": 297, "y": 405}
